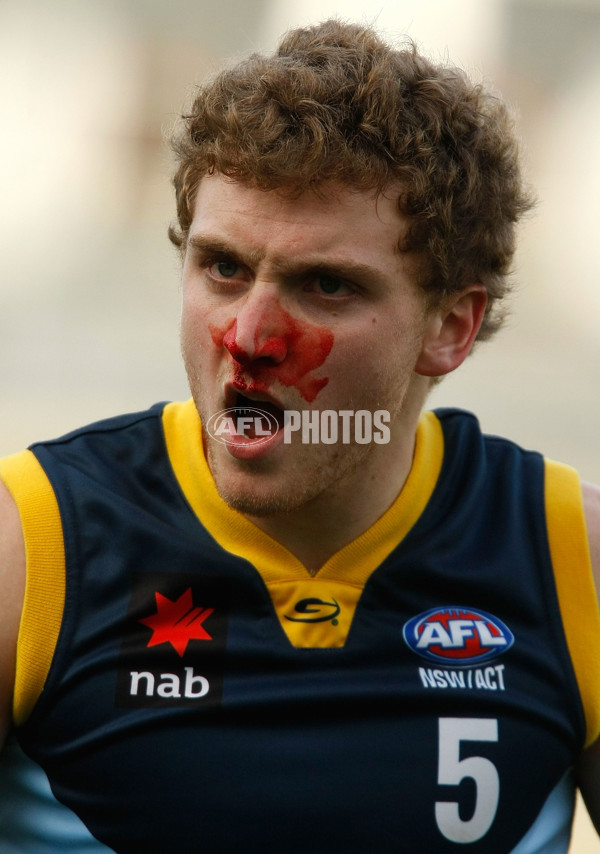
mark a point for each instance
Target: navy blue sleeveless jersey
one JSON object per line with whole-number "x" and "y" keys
{"x": 188, "y": 687}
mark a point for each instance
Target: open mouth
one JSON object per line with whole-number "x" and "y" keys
{"x": 247, "y": 426}
{"x": 256, "y": 419}
{"x": 250, "y": 427}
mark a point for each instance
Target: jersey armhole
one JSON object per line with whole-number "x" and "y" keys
{"x": 43, "y": 605}
{"x": 577, "y": 596}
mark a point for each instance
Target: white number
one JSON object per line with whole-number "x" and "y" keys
{"x": 452, "y": 769}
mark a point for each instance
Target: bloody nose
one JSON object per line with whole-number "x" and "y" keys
{"x": 273, "y": 347}
{"x": 239, "y": 355}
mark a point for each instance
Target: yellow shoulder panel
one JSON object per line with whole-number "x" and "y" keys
{"x": 45, "y": 585}
{"x": 567, "y": 536}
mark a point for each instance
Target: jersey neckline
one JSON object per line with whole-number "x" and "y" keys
{"x": 353, "y": 563}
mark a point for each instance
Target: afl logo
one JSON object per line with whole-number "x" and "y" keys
{"x": 248, "y": 422}
{"x": 457, "y": 636}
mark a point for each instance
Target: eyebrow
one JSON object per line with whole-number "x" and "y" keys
{"x": 342, "y": 268}
{"x": 208, "y": 244}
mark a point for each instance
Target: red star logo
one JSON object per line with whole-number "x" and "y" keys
{"x": 177, "y": 622}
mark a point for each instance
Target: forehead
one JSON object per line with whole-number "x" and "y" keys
{"x": 336, "y": 221}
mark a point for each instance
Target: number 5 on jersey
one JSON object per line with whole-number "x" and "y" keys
{"x": 452, "y": 770}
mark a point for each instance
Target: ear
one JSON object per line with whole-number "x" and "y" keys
{"x": 450, "y": 331}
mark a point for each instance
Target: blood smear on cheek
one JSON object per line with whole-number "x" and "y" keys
{"x": 217, "y": 334}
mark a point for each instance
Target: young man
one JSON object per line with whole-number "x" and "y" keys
{"x": 296, "y": 613}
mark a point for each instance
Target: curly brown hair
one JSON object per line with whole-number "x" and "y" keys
{"x": 336, "y": 103}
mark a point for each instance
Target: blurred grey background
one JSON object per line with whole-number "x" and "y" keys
{"x": 89, "y": 289}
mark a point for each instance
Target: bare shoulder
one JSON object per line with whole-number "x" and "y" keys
{"x": 591, "y": 502}
{"x": 12, "y": 584}
{"x": 589, "y": 765}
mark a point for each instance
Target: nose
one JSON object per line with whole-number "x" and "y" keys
{"x": 261, "y": 330}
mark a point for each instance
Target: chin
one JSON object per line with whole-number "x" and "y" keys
{"x": 257, "y": 502}
{"x": 265, "y": 494}
{"x": 248, "y": 488}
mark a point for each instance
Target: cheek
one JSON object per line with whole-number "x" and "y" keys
{"x": 311, "y": 345}
{"x": 376, "y": 362}
{"x": 219, "y": 334}
{"x": 196, "y": 342}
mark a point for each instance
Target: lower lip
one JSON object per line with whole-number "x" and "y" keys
{"x": 253, "y": 449}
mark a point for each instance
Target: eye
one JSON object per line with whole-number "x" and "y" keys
{"x": 224, "y": 269}
{"x": 331, "y": 286}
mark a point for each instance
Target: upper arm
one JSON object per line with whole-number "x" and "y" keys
{"x": 12, "y": 585}
{"x": 591, "y": 501}
{"x": 589, "y": 766}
